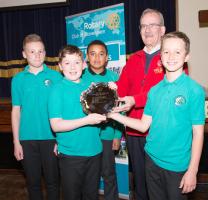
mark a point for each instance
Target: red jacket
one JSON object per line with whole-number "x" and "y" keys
{"x": 134, "y": 82}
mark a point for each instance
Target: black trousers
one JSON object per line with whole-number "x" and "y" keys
{"x": 163, "y": 184}
{"x": 136, "y": 152}
{"x": 108, "y": 171}
{"x": 38, "y": 158}
{"x": 80, "y": 176}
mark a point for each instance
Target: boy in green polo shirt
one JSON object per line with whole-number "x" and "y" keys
{"x": 79, "y": 144}
{"x": 32, "y": 135}
{"x": 97, "y": 57}
{"x": 175, "y": 115}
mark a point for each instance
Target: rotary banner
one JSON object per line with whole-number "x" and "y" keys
{"x": 106, "y": 24}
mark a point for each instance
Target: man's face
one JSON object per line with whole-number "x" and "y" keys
{"x": 151, "y": 30}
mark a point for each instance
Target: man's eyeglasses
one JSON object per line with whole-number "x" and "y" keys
{"x": 150, "y": 26}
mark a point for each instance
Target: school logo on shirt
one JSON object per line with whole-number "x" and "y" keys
{"x": 180, "y": 100}
{"x": 47, "y": 82}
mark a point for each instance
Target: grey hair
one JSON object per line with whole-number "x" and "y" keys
{"x": 149, "y": 10}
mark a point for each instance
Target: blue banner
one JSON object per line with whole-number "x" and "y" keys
{"x": 106, "y": 24}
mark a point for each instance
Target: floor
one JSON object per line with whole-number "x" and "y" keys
{"x": 12, "y": 182}
{"x": 12, "y": 187}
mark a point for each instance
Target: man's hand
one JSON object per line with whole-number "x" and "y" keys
{"x": 128, "y": 103}
{"x": 112, "y": 85}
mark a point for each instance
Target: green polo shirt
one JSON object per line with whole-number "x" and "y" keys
{"x": 111, "y": 130}
{"x": 65, "y": 103}
{"x": 175, "y": 107}
{"x": 30, "y": 92}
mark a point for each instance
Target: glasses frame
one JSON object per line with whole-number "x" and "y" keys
{"x": 150, "y": 26}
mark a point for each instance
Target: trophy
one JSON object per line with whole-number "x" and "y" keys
{"x": 98, "y": 98}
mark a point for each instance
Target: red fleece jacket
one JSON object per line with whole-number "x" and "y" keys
{"x": 134, "y": 82}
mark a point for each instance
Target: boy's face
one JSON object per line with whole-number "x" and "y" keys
{"x": 72, "y": 66}
{"x": 97, "y": 58}
{"x": 173, "y": 54}
{"x": 34, "y": 52}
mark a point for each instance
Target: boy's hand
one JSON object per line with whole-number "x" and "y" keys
{"x": 18, "y": 151}
{"x": 55, "y": 150}
{"x": 128, "y": 101}
{"x": 116, "y": 144}
{"x": 188, "y": 182}
{"x": 95, "y": 118}
{"x": 112, "y": 115}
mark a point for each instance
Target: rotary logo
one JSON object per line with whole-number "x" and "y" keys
{"x": 113, "y": 21}
{"x": 180, "y": 100}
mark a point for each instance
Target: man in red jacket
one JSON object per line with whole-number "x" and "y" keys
{"x": 142, "y": 71}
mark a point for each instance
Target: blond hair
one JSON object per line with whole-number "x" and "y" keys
{"x": 32, "y": 38}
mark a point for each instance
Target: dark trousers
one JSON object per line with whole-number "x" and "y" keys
{"x": 80, "y": 176}
{"x": 108, "y": 171}
{"x": 163, "y": 184}
{"x": 136, "y": 152}
{"x": 38, "y": 158}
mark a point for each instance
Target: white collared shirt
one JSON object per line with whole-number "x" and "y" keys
{"x": 156, "y": 48}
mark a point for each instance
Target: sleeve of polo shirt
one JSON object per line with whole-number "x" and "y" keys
{"x": 55, "y": 103}
{"x": 197, "y": 106}
{"x": 16, "y": 92}
{"x": 148, "y": 106}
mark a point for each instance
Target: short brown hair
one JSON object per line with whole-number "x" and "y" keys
{"x": 32, "y": 38}
{"x": 179, "y": 35}
{"x": 69, "y": 49}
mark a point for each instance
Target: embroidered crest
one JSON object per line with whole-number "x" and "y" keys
{"x": 47, "y": 82}
{"x": 158, "y": 70}
{"x": 180, "y": 100}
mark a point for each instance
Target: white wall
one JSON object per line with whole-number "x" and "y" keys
{"x": 187, "y": 21}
